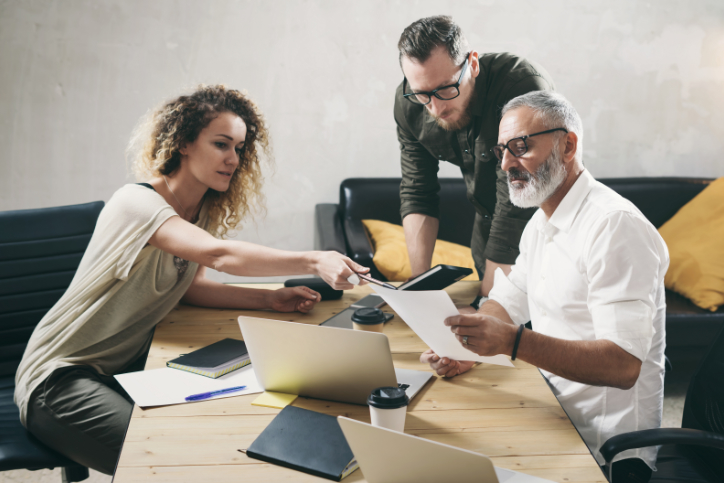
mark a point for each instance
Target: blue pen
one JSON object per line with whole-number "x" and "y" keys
{"x": 206, "y": 395}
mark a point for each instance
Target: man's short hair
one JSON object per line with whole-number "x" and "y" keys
{"x": 554, "y": 110}
{"x": 423, "y": 36}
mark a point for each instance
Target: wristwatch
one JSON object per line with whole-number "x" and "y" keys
{"x": 479, "y": 300}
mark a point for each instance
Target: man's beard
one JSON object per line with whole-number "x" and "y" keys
{"x": 539, "y": 186}
{"x": 459, "y": 123}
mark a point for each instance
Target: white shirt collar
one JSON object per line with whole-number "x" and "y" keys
{"x": 569, "y": 206}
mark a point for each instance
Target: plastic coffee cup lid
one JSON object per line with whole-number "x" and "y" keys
{"x": 388, "y": 398}
{"x": 368, "y": 316}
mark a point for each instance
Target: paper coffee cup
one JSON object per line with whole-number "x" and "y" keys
{"x": 368, "y": 318}
{"x": 388, "y": 408}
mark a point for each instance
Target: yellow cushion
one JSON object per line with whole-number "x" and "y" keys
{"x": 695, "y": 237}
{"x": 391, "y": 259}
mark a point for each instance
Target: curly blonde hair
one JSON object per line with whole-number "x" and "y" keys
{"x": 162, "y": 134}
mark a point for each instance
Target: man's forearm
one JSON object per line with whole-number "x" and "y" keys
{"x": 420, "y": 235}
{"x": 597, "y": 362}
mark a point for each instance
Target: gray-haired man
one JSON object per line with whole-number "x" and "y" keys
{"x": 590, "y": 278}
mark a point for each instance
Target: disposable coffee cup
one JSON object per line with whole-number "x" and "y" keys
{"x": 388, "y": 408}
{"x": 368, "y": 318}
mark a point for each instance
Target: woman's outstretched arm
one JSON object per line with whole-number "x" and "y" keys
{"x": 190, "y": 242}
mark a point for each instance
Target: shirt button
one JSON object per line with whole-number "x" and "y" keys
{"x": 466, "y": 150}
{"x": 543, "y": 313}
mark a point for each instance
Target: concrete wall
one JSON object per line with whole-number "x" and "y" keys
{"x": 75, "y": 76}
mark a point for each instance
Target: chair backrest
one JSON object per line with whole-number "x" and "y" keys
{"x": 39, "y": 254}
{"x": 379, "y": 199}
{"x": 704, "y": 404}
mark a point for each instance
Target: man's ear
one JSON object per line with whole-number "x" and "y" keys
{"x": 474, "y": 64}
{"x": 569, "y": 152}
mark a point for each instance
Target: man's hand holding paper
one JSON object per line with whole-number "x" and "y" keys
{"x": 426, "y": 312}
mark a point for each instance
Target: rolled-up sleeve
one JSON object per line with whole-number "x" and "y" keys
{"x": 623, "y": 269}
{"x": 509, "y": 220}
{"x": 419, "y": 187}
{"x": 511, "y": 291}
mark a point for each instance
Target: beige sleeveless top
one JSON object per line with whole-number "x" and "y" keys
{"x": 122, "y": 289}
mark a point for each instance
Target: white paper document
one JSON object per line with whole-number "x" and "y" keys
{"x": 425, "y": 313}
{"x": 161, "y": 387}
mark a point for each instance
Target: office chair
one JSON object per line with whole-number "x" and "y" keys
{"x": 693, "y": 453}
{"x": 40, "y": 251}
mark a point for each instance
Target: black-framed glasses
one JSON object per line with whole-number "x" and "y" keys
{"x": 518, "y": 146}
{"x": 444, "y": 93}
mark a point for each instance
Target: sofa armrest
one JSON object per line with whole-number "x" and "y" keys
{"x": 328, "y": 232}
{"x": 359, "y": 246}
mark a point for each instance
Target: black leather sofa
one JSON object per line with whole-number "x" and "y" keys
{"x": 338, "y": 226}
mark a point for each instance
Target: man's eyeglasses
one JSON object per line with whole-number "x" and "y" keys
{"x": 444, "y": 93}
{"x": 518, "y": 146}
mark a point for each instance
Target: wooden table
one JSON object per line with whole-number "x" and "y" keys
{"x": 508, "y": 414}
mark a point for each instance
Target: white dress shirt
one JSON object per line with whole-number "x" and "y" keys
{"x": 595, "y": 270}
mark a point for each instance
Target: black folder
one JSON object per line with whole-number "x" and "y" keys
{"x": 437, "y": 278}
{"x": 306, "y": 441}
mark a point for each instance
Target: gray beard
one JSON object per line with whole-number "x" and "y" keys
{"x": 539, "y": 186}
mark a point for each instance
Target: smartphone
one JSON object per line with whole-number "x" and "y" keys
{"x": 343, "y": 320}
{"x": 372, "y": 300}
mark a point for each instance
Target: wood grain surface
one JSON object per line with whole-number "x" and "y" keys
{"x": 508, "y": 414}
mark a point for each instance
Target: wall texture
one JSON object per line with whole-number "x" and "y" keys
{"x": 75, "y": 76}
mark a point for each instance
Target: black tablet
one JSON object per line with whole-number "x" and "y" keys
{"x": 437, "y": 278}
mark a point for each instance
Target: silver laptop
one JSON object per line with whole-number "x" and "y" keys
{"x": 386, "y": 456}
{"x": 323, "y": 362}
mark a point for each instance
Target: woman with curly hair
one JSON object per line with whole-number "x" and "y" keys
{"x": 201, "y": 156}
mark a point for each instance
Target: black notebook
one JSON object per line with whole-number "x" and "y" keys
{"x": 306, "y": 441}
{"x": 214, "y": 360}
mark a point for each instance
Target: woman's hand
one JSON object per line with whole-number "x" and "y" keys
{"x": 294, "y": 299}
{"x": 335, "y": 269}
{"x": 445, "y": 367}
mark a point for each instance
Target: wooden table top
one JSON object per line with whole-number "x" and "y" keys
{"x": 508, "y": 414}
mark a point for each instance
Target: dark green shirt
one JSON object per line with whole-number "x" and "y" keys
{"x": 423, "y": 144}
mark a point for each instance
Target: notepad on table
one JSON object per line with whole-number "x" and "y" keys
{"x": 305, "y": 441}
{"x": 214, "y": 360}
{"x": 270, "y": 399}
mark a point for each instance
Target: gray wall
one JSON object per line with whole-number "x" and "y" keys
{"x": 75, "y": 76}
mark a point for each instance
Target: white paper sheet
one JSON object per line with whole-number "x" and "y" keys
{"x": 424, "y": 312}
{"x": 162, "y": 387}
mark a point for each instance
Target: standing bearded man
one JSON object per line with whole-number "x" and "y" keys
{"x": 448, "y": 109}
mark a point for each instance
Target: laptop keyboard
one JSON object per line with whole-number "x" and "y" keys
{"x": 403, "y": 386}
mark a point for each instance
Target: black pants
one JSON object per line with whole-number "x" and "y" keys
{"x": 630, "y": 470}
